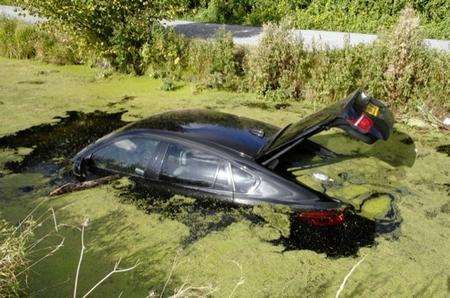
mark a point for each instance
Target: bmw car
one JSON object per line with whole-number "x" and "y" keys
{"x": 209, "y": 154}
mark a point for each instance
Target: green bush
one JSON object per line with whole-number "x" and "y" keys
{"x": 7, "y": 38}
{"x": 117, "y": 30}
{"x": 337, "y": 15}
{"x": 165, "y": 55}
{"x": 216, "y": 63}
{"x": 23, "y": 41}
{"x": 25, "y": 37}
{"x": 223, "y": 11}
{"x": 275, "y": 68}
{"x": 404, "y": 72}
{"x": 397, "y": 68}
{"x": 334, "y": 74}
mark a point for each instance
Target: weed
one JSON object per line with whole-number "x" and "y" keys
{"x": 274, "y": 66}
{"x": 165, "y": 55}
{"x": 22, "y": 41}
{"x": 216, "y": 63}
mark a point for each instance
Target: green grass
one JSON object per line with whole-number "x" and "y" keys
{"x": 415, "y": 263}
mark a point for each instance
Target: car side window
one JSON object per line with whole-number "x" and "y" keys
{"x": 127, "y": 155}
{"x": 223, "y": 179}
{"x": 193, "y": 167}
{"x": 243, "y": 181}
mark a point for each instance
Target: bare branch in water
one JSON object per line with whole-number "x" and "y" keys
{"x": 115, "y": 270}
{"x": 347, "y": 276}
{"x": 71, "y": 187}
{"x": 83, "y": 248}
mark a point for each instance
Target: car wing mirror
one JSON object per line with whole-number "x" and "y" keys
{"x": 81, "y": 166}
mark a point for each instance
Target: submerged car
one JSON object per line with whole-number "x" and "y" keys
{"x": 204, "y": 153}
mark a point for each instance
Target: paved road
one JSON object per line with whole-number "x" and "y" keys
{"x": 247, "y": 35}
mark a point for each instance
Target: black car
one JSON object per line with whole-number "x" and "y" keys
{"x": 204, "y": 153}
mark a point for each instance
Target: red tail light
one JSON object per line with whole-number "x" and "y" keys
{"x": 363, "y": 123}
{"x": 322, "y": 218}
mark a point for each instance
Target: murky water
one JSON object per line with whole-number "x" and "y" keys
{"x": 57, "y": 142}
{"x": 372, "y": 195}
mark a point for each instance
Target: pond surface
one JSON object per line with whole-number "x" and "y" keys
{"x": 364, "y": 177}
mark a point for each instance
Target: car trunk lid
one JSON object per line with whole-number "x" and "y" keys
{"x": 361, "y": 116}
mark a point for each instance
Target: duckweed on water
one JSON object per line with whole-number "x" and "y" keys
{"x": 416, "y": 262}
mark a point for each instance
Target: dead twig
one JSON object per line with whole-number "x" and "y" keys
{"x": 28, "y": 215}
{"x": 174, "y": 264}
{"x": 83, "y": 248}
{"x": 115, "y": 270}
{"x": 72, "y": 187}
{"x": 80, "y": 260}
{"x": 241, "y": 280}
{"x": 57, "y": 247}
{"x": 188, "y": 291}
{"x": 54, "y": 219}
{"x": 347, "y": 276}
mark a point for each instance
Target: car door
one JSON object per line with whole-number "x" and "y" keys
{"x": 128, "y": 155}
{"x": 195, "y": 172}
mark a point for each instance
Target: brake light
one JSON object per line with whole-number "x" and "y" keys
{"x": 363, "y": 123}
{"x": 322, "y": 218}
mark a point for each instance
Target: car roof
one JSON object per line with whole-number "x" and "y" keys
{"x": 240, "y": 134}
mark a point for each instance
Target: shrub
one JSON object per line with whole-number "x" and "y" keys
{"x": 7, "y": 40}
{"x": 216, "y": 63}
{"x": 405, "y": 59}
{"x": 22, "y": 41}
{"x": 275, "y": 66}
{"x": 165, "y": 56}
{"x": 17, "y": 40}
{"x": 118, "y": 30}
{"x": 403, "y": 71}
{"x": 223, "y": 11}
{"x": 335, "y": 73}
{"x": 397, "y": 68}
{"x": 25, "y": 38}
{"x": 336, "y": 15}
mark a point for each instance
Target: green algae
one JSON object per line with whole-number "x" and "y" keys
{"x": 415, "y": 263}
{"x": 367, "y": 177}
{"x": 276, "y": 217}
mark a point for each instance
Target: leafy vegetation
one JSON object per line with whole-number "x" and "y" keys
{"x": 22, "y": 41}
{"x": 216, "y": 64}
{"x": 275, "y": 66}
{"x": 335, "y": 15}
{"x": 117, "y": 30}
{"x": 397, "y": 68}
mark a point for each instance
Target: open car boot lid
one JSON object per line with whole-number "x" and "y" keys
{"x": 361, "y": 116}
